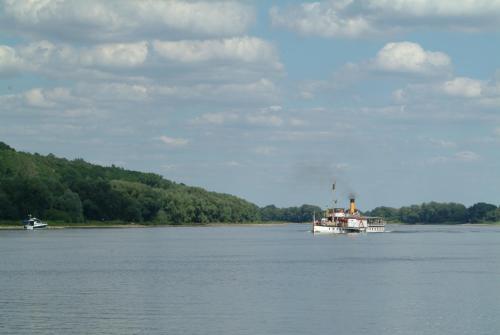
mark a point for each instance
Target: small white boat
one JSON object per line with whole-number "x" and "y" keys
{"x": 33, "y": 223}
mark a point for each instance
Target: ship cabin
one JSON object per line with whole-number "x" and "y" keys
{"x": 331, "y": 214}
{"x": 375, "y": 221}
{"x": 339, "y": 212}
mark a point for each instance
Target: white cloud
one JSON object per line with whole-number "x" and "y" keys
{"x": 243, "y": 49}
{"x": 174, "y": 141}
{"x": 323, "y": 19}
{"x": 274, "y": 108}
{"x": 85, "y": 99}
{"x": 215, "y": 118}
{"x": 125, "y": 19}
{"x": 490, "y": 93}
{"x": 461, "y": 156}
{"x": 435, "y": 160}
{"x": 308, "y": 89}
{"x": 297, "y": 122}
{"x": 198, "y": 17}
{"x": 64, "y": 59}
{"x": 408, "y": 57}
{"x": 342, "y": 166}
{"x": 169, "y": 167}
{"x": 463, "y": 87}
{"x": 52, "y": 105}
{"x": 45, "y": 98}
{"x": 36, "y": 98}
{"x": 232, "y": 163}
{"x": 306, "y": 94}
{"x": 265, "y": 150}
{"x": 115, "y": 92}
{"x": 359, "y": 18}
{"x": 477, "y": 95}
{"x": 9, "y": 61}
{"x": 244, "y": 61}
{"x": 399, "y": 95}
{"x": 117, "y": 98}
{"x": 43, "y": 52}
{"x": 466, "y": 156}
{"x": 263, "y": 90}
{"x": 402, "y": 59}
{"x": 80, "y": 112}
{"x": 269, "y": 116}
{"x": 393, "y": 111}
{"x": 265, "y": 120}
{"x": 117, "y": 54}
{"x": 453, "y": 12}
{"x": 442, "y": 143}
{"x": 266, "y": 117}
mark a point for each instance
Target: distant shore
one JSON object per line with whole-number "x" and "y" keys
{"x": 103, "y": 225}
{"x": 445, "y": 224}
{"x": 117, "y": 225}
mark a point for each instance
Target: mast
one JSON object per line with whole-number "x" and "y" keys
{"x": 333, "y": 191}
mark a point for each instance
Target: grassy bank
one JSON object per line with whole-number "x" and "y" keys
{"x": 123, "y": 224}
{"x": 477, "y": 224}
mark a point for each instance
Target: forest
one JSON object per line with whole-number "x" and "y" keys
{"x": 75, "y": 191}
{"x": 439, "y": 213}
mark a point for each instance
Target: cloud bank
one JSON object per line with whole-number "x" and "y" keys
{"x": 125, "y": 20}
{"x": 361, "y": 18}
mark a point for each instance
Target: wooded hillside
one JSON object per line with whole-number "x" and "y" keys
{"x": 76, "y": 191}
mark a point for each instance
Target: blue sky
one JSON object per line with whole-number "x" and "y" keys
{"x": 396, "y": 100}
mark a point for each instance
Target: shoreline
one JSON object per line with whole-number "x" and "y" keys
{"x": 194, "y": 225}
{"x": 140, "y": 225}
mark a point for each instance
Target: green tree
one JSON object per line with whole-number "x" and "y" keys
{"x": 388, "y": 213}
{"x": 479, "y": 212}
{"x": 70, "y": 203}
{"x": 410, "y": 214}
{"x": 31, "y": 195}
{"x": 7, "y": 209}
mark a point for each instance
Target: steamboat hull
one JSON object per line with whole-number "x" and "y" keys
{"x": 319, "y": 229}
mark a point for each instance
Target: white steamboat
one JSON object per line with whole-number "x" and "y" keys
{"x": 341, "y": 221}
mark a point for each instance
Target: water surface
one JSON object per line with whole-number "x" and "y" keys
{"x": 250, "y": 280}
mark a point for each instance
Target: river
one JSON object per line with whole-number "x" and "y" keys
{"x": 250, "y": 280}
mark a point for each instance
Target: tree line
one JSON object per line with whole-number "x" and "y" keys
{"x": 439, "y": 213}
{"x": 303, "y": 213}
{"x": 76, "y": 191}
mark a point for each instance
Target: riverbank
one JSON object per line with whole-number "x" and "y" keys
{"x": 469, "y": 224}
{"x": 9, "y": 225}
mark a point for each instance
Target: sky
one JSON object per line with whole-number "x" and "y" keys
{"x": 396, "y": 101}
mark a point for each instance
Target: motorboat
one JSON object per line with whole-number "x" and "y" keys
{"x": 32, "y": 223}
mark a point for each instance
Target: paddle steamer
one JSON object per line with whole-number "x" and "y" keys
{"x": 341, "y": 221}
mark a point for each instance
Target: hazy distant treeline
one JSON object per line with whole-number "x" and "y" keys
{"x": 76, "y": 191}
{"x": 303, "y": 213}
{"x": 434, "y": 212}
